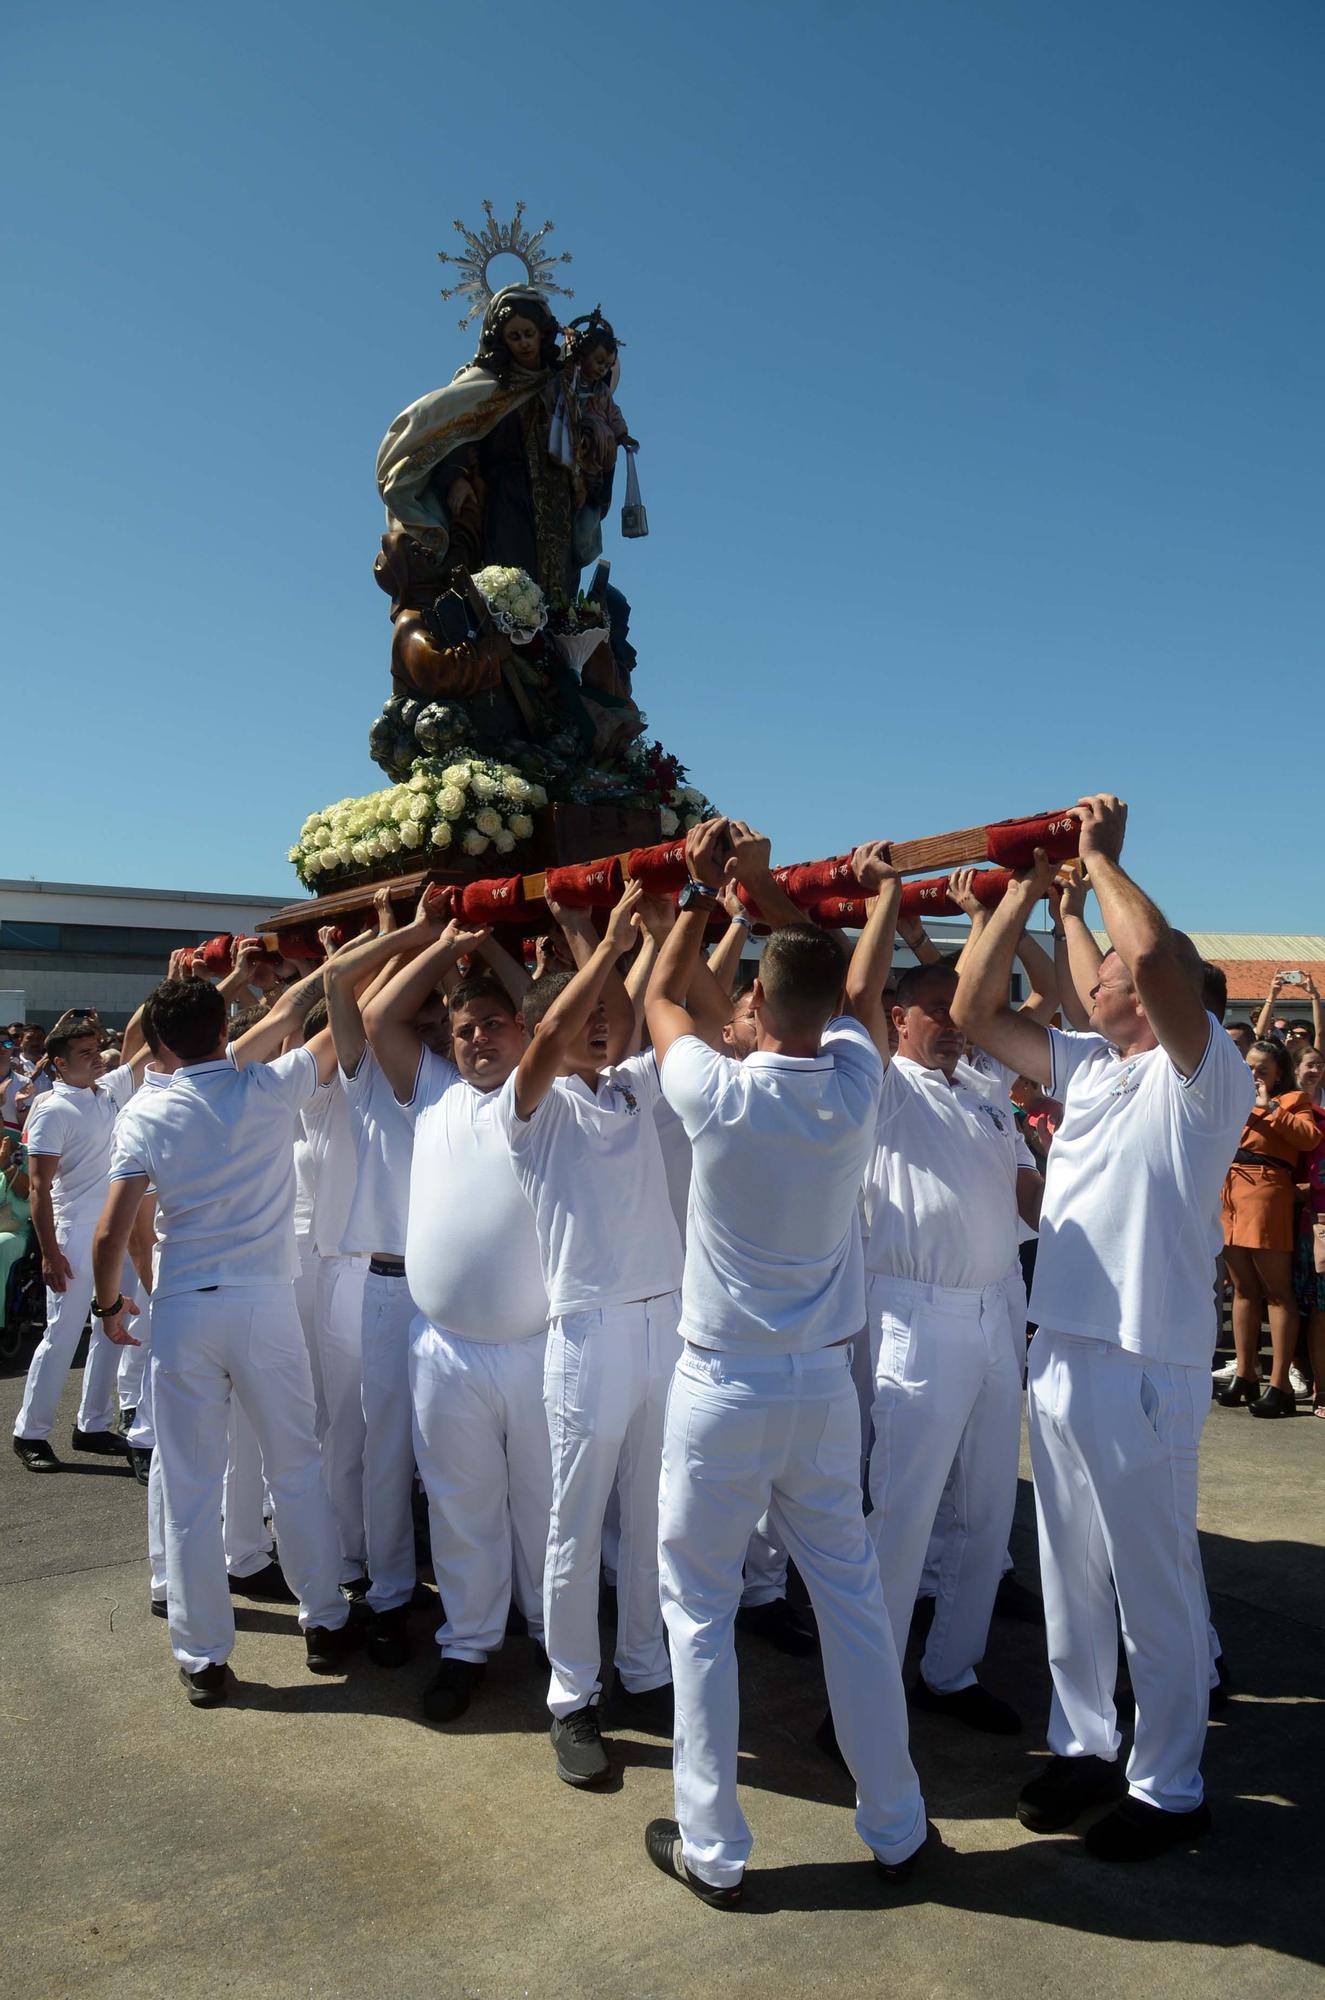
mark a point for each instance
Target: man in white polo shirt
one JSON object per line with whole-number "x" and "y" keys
{"x": 68, "y": 1137}
{"x": 217, "y": 1147}
{"x": 1154, "y": 1100}
{"x": 479, "y": 1341}
{"x": 579, "y": 1122}
{"x": 763, "y": 1414}
{"x": 375, "y": 1227}
{"x": 943, "y": 1279}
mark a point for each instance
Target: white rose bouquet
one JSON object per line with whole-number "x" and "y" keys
{"x": 514, "y": 600}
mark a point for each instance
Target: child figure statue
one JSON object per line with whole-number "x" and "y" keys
{"x": 592, "y": 369}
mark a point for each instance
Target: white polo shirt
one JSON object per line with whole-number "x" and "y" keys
{"x": 591, "y": 1166}
{"x": 941, "y": 1185}
{"x": 330, "y": 1167}
{"x": 471, "y": 1248}
{"x": 383, "y": 1143}
{"x": 1129, "y": 1230}
{"x": 676, "y": 1161}
{"x": 778, "y": 1146}
{"x": 218, "y": 1148}
{"x": 77, "y": 1127}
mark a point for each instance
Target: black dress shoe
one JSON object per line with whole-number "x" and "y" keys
{"x": 157, "y": 1607}
{"x": 386, "y": 1641}
{"x": 207, "y": 1688}
{"x": 355, "y": 1590}
{"x": 266, "y": 1586}
{"x": 1242, "y": 1389}
{"x": 652, "y": 1713}
{"x": 781, "y": 1625}
{"x": 36, "y": 1455}
{"x": 577, "y": 1739}
{"x": 140, "y": 1459}
{"x": 897, "y": 1872}
{"x": 662, "y": 1844}
{"x": 126, "y": 1421}
{"x": 328, "y": 1650}
{"x": 451, "y": 1689}
{"x": 974, "y": 1706}
{"x": 1067, "y": 1787}
{"x": 1273, "y": 1402}
{"x": 1134, "y": 1831}
{"x": 102, "y": 1444}
{"x": 1013, "y": 1600}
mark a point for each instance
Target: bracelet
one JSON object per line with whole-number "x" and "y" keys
{"x": 739, "y": 917}
{"x": 108, "y": 1312}
{"x": 1060, "y": 937}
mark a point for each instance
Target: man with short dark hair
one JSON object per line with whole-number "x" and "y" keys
{"x": 1154, "y": 1100}
{"x": 217, "y": 1146}
{"x": 762, "y": 1416}
{"x": 69, "y": 1133}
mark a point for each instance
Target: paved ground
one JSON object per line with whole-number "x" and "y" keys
{"x": 315, "y": 1839}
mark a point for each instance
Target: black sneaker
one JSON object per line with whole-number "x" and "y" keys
{"x": 140, "y": 1459}
{"x": 1013, "y": 1600}
{"x": 266, "y": 1586}
{"x": 36, "y": 1455}
{"x": 207, "y": 1688}
{"x": 1067, "y": 1787}
{"x": 974, "y": 1706}
{"x": 327, "y": 1649}
{"x": 157, "y": 1607}
{"x": 650, "y": 1713}
{"x": 449, "y": 1692}
{"x": 126, "y": 1421}
{"x": 897, "y": 1872}
{"x": 1134, "y": 1831}
{"x": 578, "y": 1742}
{"x": 781, "y": 1625}
{"x": 387, "y": 1639}
{"x": 662, "y": 1844}
{"x": 355, "y": 1590}
{"x": 102, "y": 1444}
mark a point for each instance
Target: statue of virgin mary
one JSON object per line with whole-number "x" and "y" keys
{"x": 482, "y": 471}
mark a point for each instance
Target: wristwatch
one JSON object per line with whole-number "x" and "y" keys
{"x": 696, "y": 895}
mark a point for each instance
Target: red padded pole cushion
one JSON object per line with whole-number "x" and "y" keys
{"x": 810, "y": 881}
{"x": 217, "y": 953}
{"x": 928, "y": 898}
{"x": 497, "y": 901}
{"x": 1012, "y": 842}
{"x": 661, "y": 870}
{"x": 839, "y": 912}
{"x": 585, "y": 885}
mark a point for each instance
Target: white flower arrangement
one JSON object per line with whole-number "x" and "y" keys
{"x": 474, "y": 803}
{"x": 514, "y": 601}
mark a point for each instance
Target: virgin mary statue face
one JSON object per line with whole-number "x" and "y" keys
{"x": 523, "y": 341}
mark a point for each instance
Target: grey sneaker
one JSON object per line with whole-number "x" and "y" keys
{"x": 578, "y": 1742}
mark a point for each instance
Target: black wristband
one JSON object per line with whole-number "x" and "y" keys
{"x": 108, "y": 1312}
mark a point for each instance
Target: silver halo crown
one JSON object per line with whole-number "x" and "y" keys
{"x": 501, "y": 239}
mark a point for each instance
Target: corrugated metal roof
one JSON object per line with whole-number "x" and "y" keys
{"x": 1288, "y": 948}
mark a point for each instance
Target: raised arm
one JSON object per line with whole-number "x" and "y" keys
{"x": 1164, "y": 971}
{"x": 577, "y": 927}
{"x": 1316, "y": 1010}
{"x": 350, "y": 973}
{"x": 871, "y": 961}
{"x": 961, "y": 887}
{"x": 1077, "y": 957}
{"x": 568, "y": 1016}
{"x": 283, "y": 1018}
{"x": 680, "y": 962}
{"x": 388, "y": 1018}
{"x": 980, "y": 1005}
{"x": 505, "y": 968}
{"x": 1266, "y": 1015}
{"x": 1041, "y": 1002}
{"x": 914, "y": 935}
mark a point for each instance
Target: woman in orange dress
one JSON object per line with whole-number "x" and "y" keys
{"x": 1258, "y": 1230}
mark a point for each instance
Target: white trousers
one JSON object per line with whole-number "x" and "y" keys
{"x": 765, "y": 1566}
{"x": 481, "y": 1441}
{"x": 338, "y": 1339}
{"x": 245, "y": 1340}
{"x": 388, "y": 1442}
{"x": 245, "y": 1537}
{"x": 305, "y": 1298}
{"x": 66, "y": 1316}
{"x": 947, "y": 1400}
{"x": 605, "y": 1392}
{"x": 778, "y": 1434}
{"x": 1114, "y": 1443}
{"x": 131, "y": 1370}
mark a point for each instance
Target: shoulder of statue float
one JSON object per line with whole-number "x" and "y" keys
{"x": 510, "y": 735}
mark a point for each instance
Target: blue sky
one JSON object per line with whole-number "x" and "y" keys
{"x": 974, "y": 348}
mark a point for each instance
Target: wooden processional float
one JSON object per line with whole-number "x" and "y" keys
{"x": 826, "y": 890}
